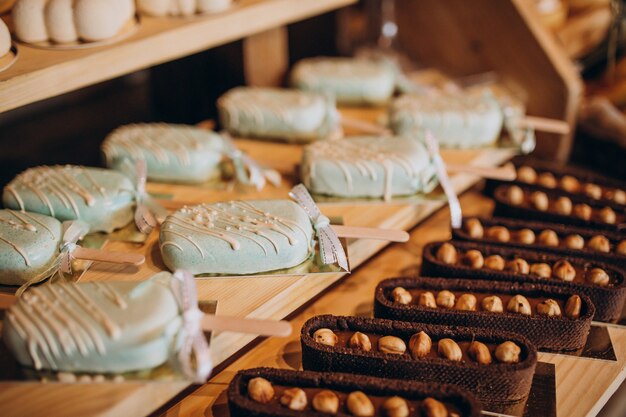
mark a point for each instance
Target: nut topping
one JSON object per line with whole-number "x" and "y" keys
{"x": 326, "y": 401}
{"x": 621, "y": 248}
{"x": 548, "y": 307}
{"x": 546, "y": 179}
{"x": 540, "y": 201}
{"x": 599, "y": 243}
{"x": 325, "y": 337}
{"x": 294, "y": 399}
{"x": 570, "y": 184}
{"x": 360, "y": 341}
{"x": 548, "y": 237}
{"x": 583, "y": 211}
{"x": 592, "y": 190}
{"x": 434, "y": 408}
{"x": 473, "y": 258}
{"x": 515, "y": 195}
{"x": 607, "y": 215}
{"x": 445, "y": 299}
{"x": 597, "y": 276}
{"x": 492, "y": 303}
{"x": 499, "y": 233}
{"x": 574, "y": 241}
{"x": 427, "y": 299}
{"x": 391, "y": 344}
{"x": 479, "y": 352}
{"x": 401, "y": 296}
{"x": 563, "y": 206}
{"x": 518, "y": 266}
{"x": 260, "y": 390}
{"x": 525, "y": 236}
{"x": 396, "y": 407}
{"x": 449, "y": 349}
{"x": 466, "y": 302}
{"x": 619, "y": 196}
{"x": 526, "y": 174}
{"x": 447, "y": 254}
{"x": 508, "y": 352}
{"x": 563, "y": 270}
{"x": 541, "y": 269}
{"x": 519, "y": 304}
{"x": 496, "y": 262}
{"x": 359, "y": 404}
{"x": 474, "y": 228}
{"x": 420, "y": 345}
{"x": 573, "y": 307}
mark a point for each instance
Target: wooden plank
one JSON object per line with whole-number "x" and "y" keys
{"x": 266, "y": 57}
{"x": 39, "y": 74}
{"x": 354, "y": 296}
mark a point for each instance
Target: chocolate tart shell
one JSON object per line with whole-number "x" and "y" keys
{"x": 608, "y": 301}
{"x": 560, "y": 229}
{"x": 582, "y": 175}
{"x": 494, "y": 385}
{"x": 556, "y": 334}
{"x": 504, "y": 209}
{"x": 242, "y": 406}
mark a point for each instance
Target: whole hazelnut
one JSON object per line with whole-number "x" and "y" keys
{"x": 597, "y": 276}
{"x": 359, "y": 404}
{"x": 563, "y": 270}
{"x": 570, "y": 184}
{"x": 599, "y": 243}
{"x": 619, "y": 196}
{"x": 514, "y": 195}
{"x": 541, "y": 269}
{"x": 548, "y": 237}
{"x": 360, "y": 341}
{"x": 260, "y": 390}
{"x": 548, "y": 307}
{"x": 526, "y": 174}
{"x": 563, "y": 205}
{"x": 473, "y": 258}
{"x": 495, "y": 262}
{"x": 499, "y": 233}
{"x": 466, "y": 302}
{"x": 583, "y": 211}
{"x": 449, "y": 349}
{"x": 492, "y": 303}
{"x": 445, "y": 299}
{"x": 479, "y": 352}
{"x": 391, "y": 344}
{"x": 574, "y": 241}
{"x": 540, "y": 200}
{"x": 508, "y": 352}
{"x": 474, "y": 228}
{"x": 592, "y": 190}
{"x": 621, "y": 247}
{"x": 325, "y": 337}
{"x": 447, "y": 254}
{"x": 573, "y": 306}
{"x": 420, "y": 345}
{"x": 525, "y": 236}
{"x": 427, "y": 299}
{"x": 294, "y": 399}
{"x": 520, "y": 305}
{"x": 607, "y": 215}
{"x": 326, "y": 401}
{"x": 546, "y": 179}
{"x": 401, "y": 296}
{"x": 396, "y": 407}
{"x": 517, "y": 266}
{"x": 434, "y": 408}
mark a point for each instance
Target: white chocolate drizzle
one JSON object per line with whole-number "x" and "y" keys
{"x": 158, "y": 140}
{"x": 229, "y": 222}
{"x": 56, "y": 321}
{"x": 20, "y": 222}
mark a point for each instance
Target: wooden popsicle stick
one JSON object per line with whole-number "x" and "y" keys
{"x": 504, "y": 173}
{"x": 112, "y": 257}
{"x": 543, "y": 124}
{"x": 259, "y": 327}
{"x": 7, "y": 300}
{"x": 371, "y": 233}
{"x": 364, "y": 126}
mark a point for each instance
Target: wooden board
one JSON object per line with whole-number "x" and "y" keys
{"x": 258, "y": 297}
{"x": 583, "y": 385}
{"x": 39, "y": 74}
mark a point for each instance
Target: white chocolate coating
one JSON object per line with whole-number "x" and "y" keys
{"x": 5, "y": 39}
{"x": 367, "y": 166}
{"x": 181, "y": 7}
{"x": 237, "y": 237}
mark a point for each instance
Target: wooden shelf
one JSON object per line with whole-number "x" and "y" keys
{"x": 39, "y": 74}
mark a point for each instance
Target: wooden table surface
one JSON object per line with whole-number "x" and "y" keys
{"x": 583, "y": 385}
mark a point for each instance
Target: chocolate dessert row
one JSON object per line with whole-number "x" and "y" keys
{"x": 583, "y": 184}
{"x": 265, "y": 392}
{"x": 603, "y": 246}
{"x": 552, "y": 318}
{"x": 523, "y": 202}
{"x": 498, "y": 369}
{"x": 604, "y": 284}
